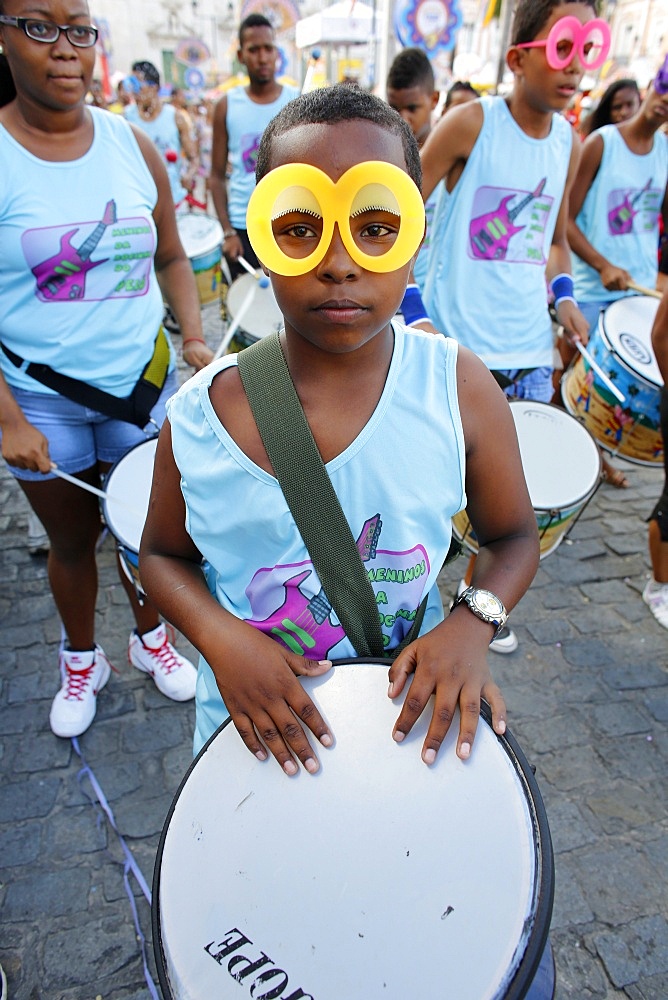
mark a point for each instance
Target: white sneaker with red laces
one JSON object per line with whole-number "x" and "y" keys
{"x": 84, "y": 674}
{"x": 174, "y": 676}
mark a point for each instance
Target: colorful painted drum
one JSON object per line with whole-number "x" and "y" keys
{"x": 268, "y": 886}
{"x": 261, "y": 318}
{"x": 202, "y": 237}
{"x": 128, "y": 488}
{"x": 562, "y": 468}
{"x": 621, "y": 345}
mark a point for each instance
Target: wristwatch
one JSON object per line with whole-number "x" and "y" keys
{"x": 485, "y": 605}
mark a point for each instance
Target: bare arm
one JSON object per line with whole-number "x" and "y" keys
{"x": 172, "y": 267}
{"x": 612, "y": 277}
{"x": 559, "y": 262}
{"x": 188, "y": 148}
{"x": 660, "y": 337}
{"x": 23, "y": 445}
{"x": 450, "y": 662}
{"x": 449, "y": 146}
{"x": 256, "y": 678}
{"x": 232, "y": 245}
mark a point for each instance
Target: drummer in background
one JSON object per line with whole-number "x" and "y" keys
{"x": 412, "y": 94}
{"x": 79, "y": 181}
{"x": 620, "y": 102}
{"x": 239, "y": 119}
{"x": 169, "y": 127}
{"x": 655, "y": 593}
{"x": 500, "y": 225}
{"x": 461, "y": 92}
{"x": 420, "y": 398}
{"x": 618, "y": 195}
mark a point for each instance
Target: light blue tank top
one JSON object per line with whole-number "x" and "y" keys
{"x": 620, "y": 214}
{"x": 399, "y": 483}
{"x": 486, "y": 280}
{"x": 246, "y": 121}
{"x": 164, "y": 133}
{"x": 77, "y": 242}
{"x": 422, "y": 262}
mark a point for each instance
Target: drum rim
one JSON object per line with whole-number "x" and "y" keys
{"x": 564, "y": 411}
{"x": 613, "y": 350}
{"x": 124, "y": 542}
{"x": 543, "y": 889}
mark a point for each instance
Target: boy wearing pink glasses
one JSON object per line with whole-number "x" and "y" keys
{"x": 507, "y": 164}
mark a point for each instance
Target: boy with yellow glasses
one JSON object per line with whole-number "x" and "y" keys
{"x": 410, "y": 428}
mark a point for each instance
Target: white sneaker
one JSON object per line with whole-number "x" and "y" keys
{"x": 174, "y": 676}
{"x": 84, "y": 675}
{"x": 655, "y": 596}
{"x": 505, "y": 641}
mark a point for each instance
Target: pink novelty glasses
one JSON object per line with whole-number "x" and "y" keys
{"x": 591, "y": 42}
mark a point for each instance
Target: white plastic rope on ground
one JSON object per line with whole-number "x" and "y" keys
{"x": 130, "y": 866}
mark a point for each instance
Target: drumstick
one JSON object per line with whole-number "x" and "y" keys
{"x": 645, "y": 291}
{"x": 93, "y": 489}
{"x": 234, "y": 325}
{"x": 251, "y": 270}
{"x": 601, "y": 374}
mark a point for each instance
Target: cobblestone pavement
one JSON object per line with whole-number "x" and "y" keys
{"x": 588, "y": 701}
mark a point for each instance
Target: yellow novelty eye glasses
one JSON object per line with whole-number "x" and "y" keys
{"x": 297, "y": 205}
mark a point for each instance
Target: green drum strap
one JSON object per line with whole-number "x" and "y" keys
{"x": 311, "y": 498}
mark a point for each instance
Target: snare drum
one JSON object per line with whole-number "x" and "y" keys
{"x": 377, "y": 877}
{"x": 202, "y": 238}
{"x": 622, "y": 347}
{"x": 259, "y": 320}
{"x": 128, "y": 488}
{"x": 562, "y": 468}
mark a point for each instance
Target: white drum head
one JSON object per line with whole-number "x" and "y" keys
{"x": 560, "y": 457}
{"x": 200, "y": 234}
{"x": 128, "y": 487}
{"x": 377, "y": 878}
{"x": 627, "y": 324}
{"x": 263, "y": 315}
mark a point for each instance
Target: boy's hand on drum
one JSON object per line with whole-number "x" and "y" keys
{"x": 615, "y": 279}
{"x": 450, "y": 662}
{"x": 257, "y": 680}
{"x": 576, "y": 327}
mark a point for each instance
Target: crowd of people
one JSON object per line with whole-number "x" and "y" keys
{"x": 398, "y": 248}
{"x": 479, "y": 196}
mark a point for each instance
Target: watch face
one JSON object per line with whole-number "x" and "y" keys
{"x": 488, "y": 603}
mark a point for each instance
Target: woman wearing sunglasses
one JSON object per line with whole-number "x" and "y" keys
{"x": 88, "y": 247}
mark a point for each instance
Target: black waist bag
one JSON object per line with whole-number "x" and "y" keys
{"x": 133, "y": 409}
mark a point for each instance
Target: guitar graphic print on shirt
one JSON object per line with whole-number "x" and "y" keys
{"x": 305, "y": 623}
{"x": 622, "y": 214}
{"x": 123, "y": 247}
{"x": 63, "y": 276}
{"x": 493, "y": 234}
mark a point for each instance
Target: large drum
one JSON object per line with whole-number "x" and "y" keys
{"x": 202, "y": 237}
{"x": 260, "y": 317}
{"x": 128, "y": 489}
{"x": 621, "y": 346}
{"x": 379, "y": 877}
{"x": 562, "y": 468}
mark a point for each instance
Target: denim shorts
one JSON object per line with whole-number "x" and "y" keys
{"x": 78, "y": 437}
{"x": 536, "y": 385}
